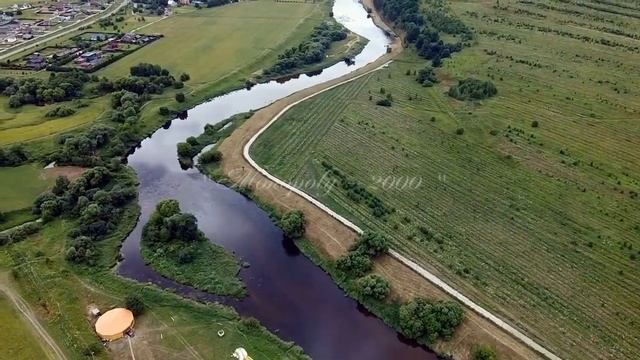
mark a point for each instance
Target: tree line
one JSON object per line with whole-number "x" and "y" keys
{"x": 311, "y": 51}
{"x": 59, "y": 87}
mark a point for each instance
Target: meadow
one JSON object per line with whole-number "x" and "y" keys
{"x": 533, "y": 210}
{"x": 20, "y": 185}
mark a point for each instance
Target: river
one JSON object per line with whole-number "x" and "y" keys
{"x": 287, "y": 293}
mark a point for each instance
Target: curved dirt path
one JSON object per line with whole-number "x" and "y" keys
{"x": 54, "y": 351}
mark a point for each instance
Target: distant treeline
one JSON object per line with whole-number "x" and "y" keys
{"x": 423, "y": 28}
{"x": 59, "y": 87}
{"x": 311, "y": 51}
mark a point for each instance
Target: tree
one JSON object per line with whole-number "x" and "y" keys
{"x": 371, "y": 243}
{"x": 293, "y": 224}
{"x": 210, "y": 156}
{"x": 180, "y": 97}
{"x": 484, "y": 352}
{"x": 374, "y": 286}
{"x": 185, "y": 77}
{"x": 164, "y": 111}
{"x": 134, "y": 303}
{"x": 421, "y": 318}
{"x": 354, "y": 264}
{"x": 61, "y": 185}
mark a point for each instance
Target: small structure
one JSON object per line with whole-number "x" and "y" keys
{"x": 36, "y": 61}
{"x": 241, "y": 354}
{"x": 114, "y": 324}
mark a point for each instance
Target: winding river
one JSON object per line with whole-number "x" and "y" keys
{"x": 286, "y": 291}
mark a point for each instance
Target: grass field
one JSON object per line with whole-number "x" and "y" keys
{"x": 17, "y": 341}
{"x": 538, "y": 224}
{"x": 231, "y": 41}
{"x": 171, "y": 328}
{"x": 20, "y": 185}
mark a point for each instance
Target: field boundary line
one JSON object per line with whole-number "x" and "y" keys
{"x": 424, "y": 273}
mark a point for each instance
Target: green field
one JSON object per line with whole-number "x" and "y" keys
{"x": 17, "y": 340}
{"x": 226, "y": 43}
{"x": 539, "y": 224}
{"x": 20, "y": 185}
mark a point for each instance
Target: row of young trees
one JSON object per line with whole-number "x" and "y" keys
{"x": 311, "y": 51}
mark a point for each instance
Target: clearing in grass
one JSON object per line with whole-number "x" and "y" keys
{"x": 20, "y": 185}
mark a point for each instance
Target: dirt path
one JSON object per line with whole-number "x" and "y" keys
{"x": 52, "y": 350}
{"x": 332, "y": 235}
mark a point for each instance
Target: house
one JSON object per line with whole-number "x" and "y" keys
{"x": 36, "y": 61}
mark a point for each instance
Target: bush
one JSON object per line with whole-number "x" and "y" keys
{"x": 383, "y": 102}
{"x": 426, "y": 77}
{"x": 210, "y": 156}
{"x": 534, "y": 124}
{"x": 473, "y": 89}
{"x": 185, "y": 77}
{"x": 374, "y": 286}
{"x": 429, "y": 320}
{"x": 134, "y": 303}
{"x": 60, "y": 111}
{"x": 180, "y": 97}
{"x": 293, "y": 224}
{"x": 459, "y": 131}
{"x": 185, "y": 150}
{"x": 354, "y": 264}
{"x": 164, "y": 111}
{"x": 371, "y": 243}
{"x": 484, "y": 352}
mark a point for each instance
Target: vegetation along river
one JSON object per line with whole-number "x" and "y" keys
{"x": 286, "y": 292}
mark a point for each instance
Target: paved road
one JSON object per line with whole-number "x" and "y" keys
{"x": 54, "y": 352}
{"x": 412, "y": 265}
{"x": 117, "y": 5}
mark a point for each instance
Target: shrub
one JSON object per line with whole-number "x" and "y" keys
{"x": 484, "y": 352}
{"x": 429, "y": 320}
{"x": 185, "y": 150}
{"x": 374, "y": 286}
{"x": 383, "y": 102}
{"x": 178, "y": 85}
{"x": 534, "y": 124}
{"x": 426, "y": 77}
{"x": 354, "y": 264}
{"x": 459, "y": 131}
{"x": 210, "y": 156}
{"x": 371, "y": 243}
{"x": 60, "y": 111}
{"x": 164, "y": 111}
{"x": 185, "y": 77}
{"x": 293, "y": 224}
{"x": 134, "y": 303}
{"x": 180, "y": 97}
{"x": 473, "y": 89}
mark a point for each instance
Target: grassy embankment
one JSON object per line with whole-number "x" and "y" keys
{"x": 535, "y": 223}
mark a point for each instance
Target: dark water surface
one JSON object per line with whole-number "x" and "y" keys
{"x": 286, "y": 291}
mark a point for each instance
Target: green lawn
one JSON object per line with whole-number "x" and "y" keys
{"x": 538, "y": 224}
{"x": 20, "y": 185}
{"x": 17, "y": 340}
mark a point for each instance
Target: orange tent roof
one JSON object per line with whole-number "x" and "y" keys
{"x": 112, "y": 324}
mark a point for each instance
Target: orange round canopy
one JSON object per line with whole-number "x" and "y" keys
{"x": 112, "y": 324}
